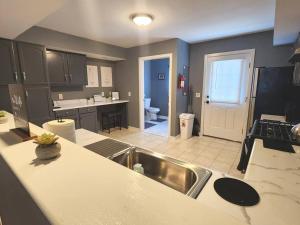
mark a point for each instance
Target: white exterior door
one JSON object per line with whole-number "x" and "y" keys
{"x": 227, "y": 80}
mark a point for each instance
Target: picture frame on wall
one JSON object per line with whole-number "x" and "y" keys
{"x": 161, "y": 76}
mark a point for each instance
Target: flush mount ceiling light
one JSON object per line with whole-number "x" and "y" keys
{"x": 142, "y": 19}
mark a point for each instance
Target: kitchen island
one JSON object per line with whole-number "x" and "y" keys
{"x": 83, "y": 188}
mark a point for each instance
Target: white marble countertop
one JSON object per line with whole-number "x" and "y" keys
{"x": 83, "y": 104}
{"x": 96, "y": 183}
{"x": 276, "y": 177}
{"x": 81, "y": 187}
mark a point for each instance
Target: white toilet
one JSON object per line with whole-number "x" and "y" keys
{"x": 151, "y": 112}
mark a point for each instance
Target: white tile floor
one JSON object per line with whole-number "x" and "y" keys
{"x": 213, "y": 153}
{"x": 160, "y": 128}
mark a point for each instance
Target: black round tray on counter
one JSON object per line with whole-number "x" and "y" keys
{"x": 236, "y": 191}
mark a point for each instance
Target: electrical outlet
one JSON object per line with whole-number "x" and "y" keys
{"x": 129, "y": 93}
{"x": 60, "y": 96}
{"x": 102, "y": 94}
{"x": 198, "y": 95}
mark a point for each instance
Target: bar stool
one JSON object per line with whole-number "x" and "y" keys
{"x": 111, "y": 119}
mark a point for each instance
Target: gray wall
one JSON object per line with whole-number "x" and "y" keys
{"x": 160, "y": 88}
{"x": 61, "y": 41}
{"x": 265, "y": 55}
{"x": 183, "y": 60}
{"x": 85, "y": 92}
{"x": 127, "y": 77}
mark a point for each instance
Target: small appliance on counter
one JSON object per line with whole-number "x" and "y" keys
{"x": 20, "y": 112}
{"x": 115, "y": 95}
{"x": 99, "y": 98}
{"x": 90, "y": 101}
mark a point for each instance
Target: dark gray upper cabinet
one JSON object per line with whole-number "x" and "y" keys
{"x": 66, "y": 69}
{"x": 8, "y": 62}
{"x": 77, "y": 69}
{"x": 32, "y": 63}
{"x": 39, "y": 104}
{"x": 57, "y": 67}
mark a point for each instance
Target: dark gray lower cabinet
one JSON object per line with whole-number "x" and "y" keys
{"x": 39, "y": 104}
{"x": 5, "y": 98}
{"x": 69, "y": 114}
{"x": 88, "y": 121}
{"x": 17, "y": 206}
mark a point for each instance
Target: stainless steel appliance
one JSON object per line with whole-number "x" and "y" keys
{"x": 296, "y": 132}
{"x": 275, "y": 135}
{"x": 296, "y": 60}
{"x": 273, "y": 92}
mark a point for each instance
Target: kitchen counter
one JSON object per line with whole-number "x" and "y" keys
{"x": 83, "y": 104}
{"x": 81, "y": 187}
{"x": 276, "y": 177}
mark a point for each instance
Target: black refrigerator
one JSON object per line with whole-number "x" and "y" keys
{"x": 273, "y": 92}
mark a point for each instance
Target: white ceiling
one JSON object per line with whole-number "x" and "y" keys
{"x": 287, "y": 20}
{"x": 16, "y": 16}
{"x": 191, "y": 20}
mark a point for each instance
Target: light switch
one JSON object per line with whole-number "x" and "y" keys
{"x": 198, "y": 95}
{"x": 60, "y": 96}
{"x": 129, "y": 93}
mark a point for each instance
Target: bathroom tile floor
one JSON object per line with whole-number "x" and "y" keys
{"x": 160, "y": 128}
{"x": 212, "y": 153}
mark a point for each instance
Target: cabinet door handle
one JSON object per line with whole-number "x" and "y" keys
{"x": 16, "y": 78}
{"x": 26, "y": 93}
{"x": 66, "y": 77}
{"x": 24, "y": 76}
{"x": 71, "y": 77}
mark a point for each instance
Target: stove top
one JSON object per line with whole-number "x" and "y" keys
{"x": 275, "y": 134}
{"x": 269, "y": 129}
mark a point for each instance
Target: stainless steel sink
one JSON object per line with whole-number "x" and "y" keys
{"x": 187, "y": 178}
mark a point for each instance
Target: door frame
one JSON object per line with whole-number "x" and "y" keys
{"x": 142, "y": 88}
{"x": 251, "y": 53}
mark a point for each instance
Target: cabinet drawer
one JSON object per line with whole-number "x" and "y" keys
{"x": 64, "y": 113}
{"x": 87, "y": 110}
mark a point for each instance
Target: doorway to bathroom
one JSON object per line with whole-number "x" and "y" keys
{"x": 155, "y": 94}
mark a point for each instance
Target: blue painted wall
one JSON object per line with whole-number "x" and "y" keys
{"x": 157, "y": 90}
{"x": 147, "y": 79}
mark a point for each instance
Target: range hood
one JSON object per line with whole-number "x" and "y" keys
{"x": 295, "y": 59}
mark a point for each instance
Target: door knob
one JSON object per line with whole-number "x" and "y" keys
{"x": 207, "y": 102}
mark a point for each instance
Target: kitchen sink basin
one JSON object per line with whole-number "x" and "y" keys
{"x": 184, "y": 177}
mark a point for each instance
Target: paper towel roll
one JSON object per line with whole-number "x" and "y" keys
{"x": 65, "y": 129}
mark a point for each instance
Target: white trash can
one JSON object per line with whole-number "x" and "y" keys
{"x": 186, "y": 125}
